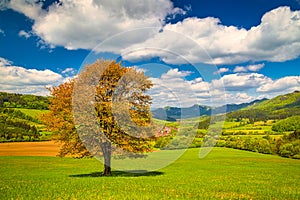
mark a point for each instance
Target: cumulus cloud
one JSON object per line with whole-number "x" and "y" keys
{"x": 31, "y": 9}
{"x": 174, "y": 89}
{"x": 83, "y": 24}
{"x": 241, "y": 81}
{"x": 222, "y": 70}
{"x": 23, "y": 33}
{"x": 285, "y": 84}
{"x": 276, "y": 38}
{"x": 4, "y": 62}
{"x": 2, "y": 32}
{"x": 17, "y": 79}
{"x": 188, "y": 41}
{"x": 86, "y": 23}
{"x": 240, "y": 69}
{"x": 239, "y": 97}
{"x": 252, "y": 68}
{"x": 69, "y": 71}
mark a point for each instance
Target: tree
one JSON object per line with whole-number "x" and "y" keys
{"x": 60, "y": 121}
{"x": 111, "y": 113}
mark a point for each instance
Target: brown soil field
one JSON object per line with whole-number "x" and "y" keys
{"x": 48, "y": 148}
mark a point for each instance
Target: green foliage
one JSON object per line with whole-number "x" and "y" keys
{"x": 34, "y": 113}
{"x": 223, "y": 174}
{"x": 260, "y": 145}
{"x": 12, "y": 100}
{"x": 288, "y": 124}
{"x": 286, "y": 146}
{"x": 289, "y": 145}
{"x": 279, "y": 107}
{"x": 204, "y": 124}
{"x": 15, "y": 126}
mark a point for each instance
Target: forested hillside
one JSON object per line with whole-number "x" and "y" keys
{"x": 20, "y": 117}
{"x": 280, "y": 107}
{"x": 12, "y": 100}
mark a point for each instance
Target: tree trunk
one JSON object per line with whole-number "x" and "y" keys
{"x": 107, "y": 158}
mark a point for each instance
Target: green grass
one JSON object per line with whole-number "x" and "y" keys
{"x": 32, "y": 112}
{"x": 223, "y": 174}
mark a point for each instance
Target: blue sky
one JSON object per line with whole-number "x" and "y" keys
{"x": 195, "y": 51}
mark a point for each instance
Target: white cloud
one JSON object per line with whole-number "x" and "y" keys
{"x": 276, "y": 38}
{"x": 255, "y": 68}
{"x": 240, "y": 82}
{"x": 173, "y": 89}
{"x": 31, "y": 9}
{"x": 239, "y": 97}
{"x": 69, "y": 71}
{"x": 4, "y": 62}
{"x": 285, "y": 84}
{"x": 252, "y": 68}
{"x": 221, "y": 70}
{"x": 86, "y": 23}
{"x": 23, "y": 33}
{"x": 240, "y": 69}
{"x": 2, "y": 32}
{"x": 17, "y": 79}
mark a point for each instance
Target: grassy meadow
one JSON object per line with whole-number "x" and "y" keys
{"x": 223, "y": 174}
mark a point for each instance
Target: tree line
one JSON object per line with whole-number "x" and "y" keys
{"x": 16, "y": 130}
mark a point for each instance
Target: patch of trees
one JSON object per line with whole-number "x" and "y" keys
{"x": 280, "y": 107}
{"x": 14, "y": 130}
{"x": 253, "y": 115}
{"x": 15, "y": 126}
{"x": 287, "y": 146}
{"x": 288, "y": 124}
{"x": 12, "y": 100}
{"x": 18, "y": 114}
{"x": 204, "y": 124}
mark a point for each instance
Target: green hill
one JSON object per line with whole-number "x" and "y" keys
{"x": 12, "y": 100}
{"x": 280, "y": 107}
{"x": 20, "y": 117}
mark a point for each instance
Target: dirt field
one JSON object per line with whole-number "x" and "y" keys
{"x": 48, "y": 148}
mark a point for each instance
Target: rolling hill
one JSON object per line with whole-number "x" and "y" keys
{"x": 279, "y": 107}
{"x": 20, "y": 117}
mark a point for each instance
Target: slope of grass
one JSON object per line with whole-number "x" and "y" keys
{"x": 291, "y": 100}
{"x": 33, "y": 112}
{"x": 223, "y": 174}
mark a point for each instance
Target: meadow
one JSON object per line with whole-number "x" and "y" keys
{"x": 223, "y": 174}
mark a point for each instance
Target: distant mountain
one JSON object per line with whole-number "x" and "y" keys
{"x": 279, "y": 107}
{"x": 173, "y": 113}
{"x": 234, "y": 107}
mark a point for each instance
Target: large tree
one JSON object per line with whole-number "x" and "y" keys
{"x": 60, "y": 121}
{"x": 111, "y": 113}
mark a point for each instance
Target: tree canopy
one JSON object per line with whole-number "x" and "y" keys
{"x": 107, "y": 105}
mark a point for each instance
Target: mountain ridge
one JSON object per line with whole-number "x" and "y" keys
{"x": 173, "y": 113}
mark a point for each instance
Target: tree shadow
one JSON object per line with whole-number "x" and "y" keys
{"x": 132, "y": 173}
